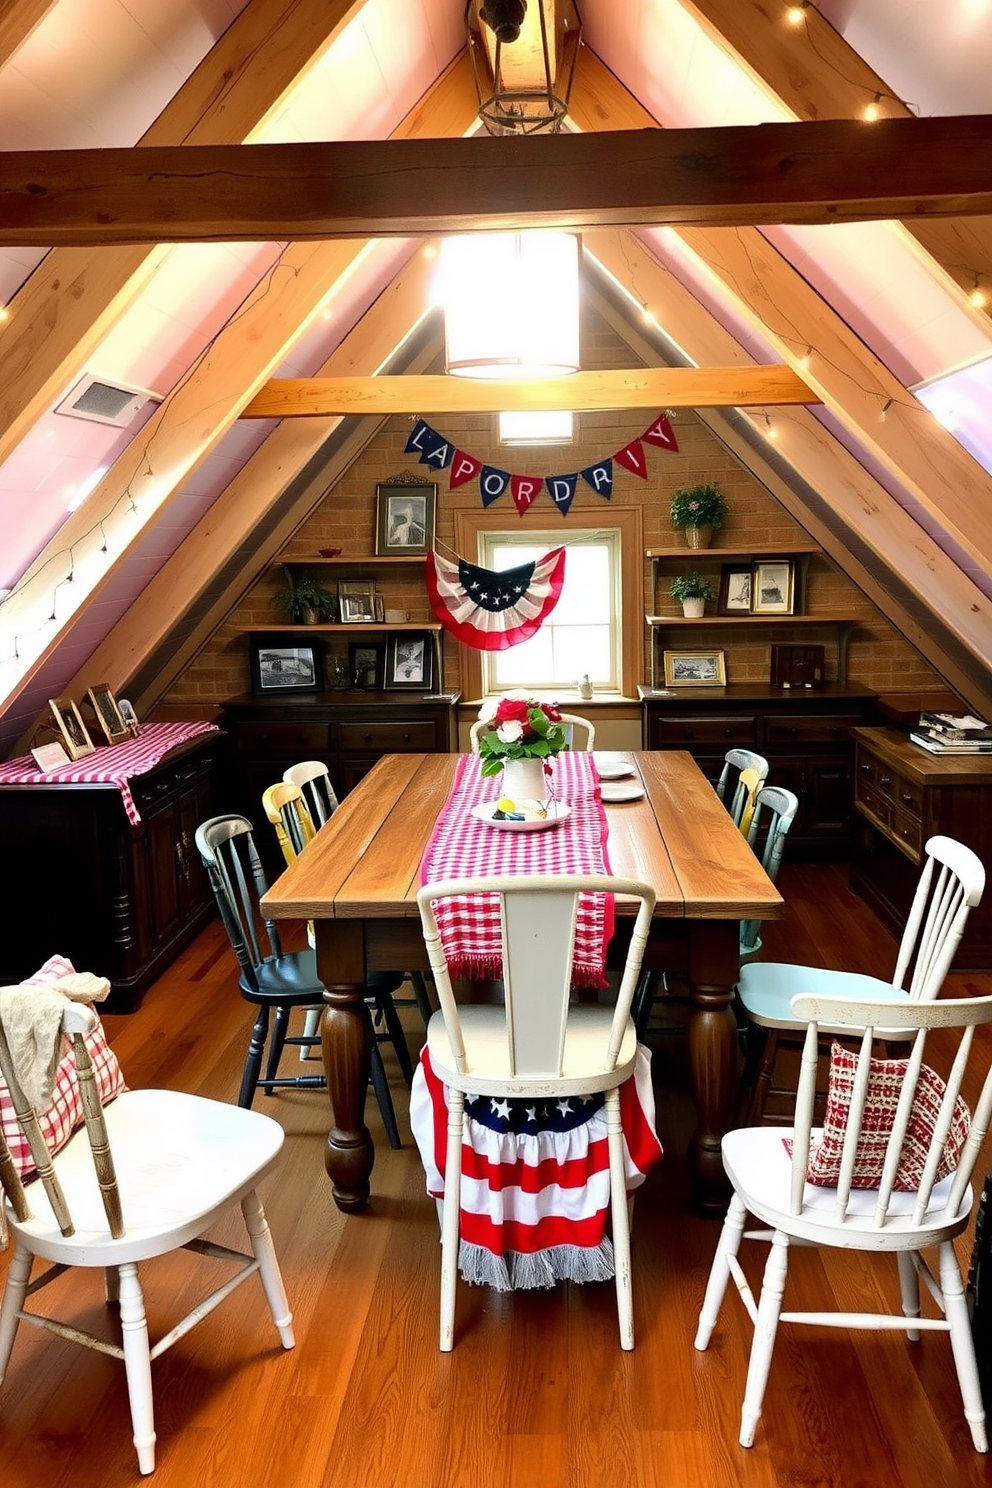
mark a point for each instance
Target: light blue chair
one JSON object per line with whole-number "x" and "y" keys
{"x": 950, "y": 886}
{"x": 737, "y": 793}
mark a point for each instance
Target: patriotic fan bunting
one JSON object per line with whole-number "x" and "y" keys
{"x": 433, "y": 449}
{"x": 493, "y": 611}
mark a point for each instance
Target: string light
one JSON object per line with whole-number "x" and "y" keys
{"x": 806, "y": 358}
{"x": 872, "y": 110}
{"x": 4, "y": 314}
{"x": 885, "y": 408}
{"x": 796, "y": 14}
{"x": 770, "y": 430}
{"x": 978, "y": 297}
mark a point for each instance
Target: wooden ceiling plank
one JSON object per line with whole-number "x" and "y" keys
{"x": 18, "y": 20}
{"x": 833, "y": 170}
{"x": 864, "y": 507}
{"x": 801, "y": 327}
{"x": 232, "y": 519}
{"x": 647, "y": 387}
{"x": 74, "y": 297}
{"x": 188, "y": 425}
{"x": 815, "y": 72}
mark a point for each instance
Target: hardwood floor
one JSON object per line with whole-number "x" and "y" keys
{"x": 537, "y": 1393}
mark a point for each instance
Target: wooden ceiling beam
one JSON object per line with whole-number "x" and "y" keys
{"x": 886, "y": 537}
{"x": 801, "y": 327}
{"x": 18, "y": 19}
{"x": 193, "y": 419}
{"x": 824, "y": 172}
{"x": 648, "y": 387}
{"x": 813, "y": 71}
{"x": 63, "y": 311}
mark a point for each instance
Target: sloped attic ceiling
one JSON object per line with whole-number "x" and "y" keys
{"x": 866, "y": 312}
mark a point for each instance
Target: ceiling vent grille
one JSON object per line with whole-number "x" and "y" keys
{"x": 105, "y": 402}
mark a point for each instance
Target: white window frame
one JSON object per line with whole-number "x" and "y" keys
{"x": 470, "y": 524}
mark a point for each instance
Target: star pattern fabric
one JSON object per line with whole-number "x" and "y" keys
{"x": 489, "y": 610}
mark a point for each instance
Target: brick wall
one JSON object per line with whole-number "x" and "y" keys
{"x": 879, "y": 657}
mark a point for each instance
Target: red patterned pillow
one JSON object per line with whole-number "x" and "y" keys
{"x": 884, "y": 1085}
{"x": 65, "y": 1113}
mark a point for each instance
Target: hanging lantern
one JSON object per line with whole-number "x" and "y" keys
{"x": 511, "y": 304}
{"x": 523, "y": 57}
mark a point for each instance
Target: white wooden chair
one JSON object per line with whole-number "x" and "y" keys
{"x": 771, "y": 1185}
{"x": 741, "y": 791}
{"x": 149, "y": 1174}
{"x": 537, "y": 1044}
{"x": 950, "y": 885}
{"x": 570, "y": 720}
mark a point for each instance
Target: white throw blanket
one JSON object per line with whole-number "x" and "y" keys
{"x": 31, "y": 1020}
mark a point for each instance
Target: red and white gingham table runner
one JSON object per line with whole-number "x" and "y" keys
{"x": 462, "y": 846}
{"x": 115, "y": 764}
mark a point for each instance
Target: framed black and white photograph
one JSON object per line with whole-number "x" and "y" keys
{"x": 278, "y": 667}
{"x": 735, "y": 589}
{"x": 68, "y": 721}
{"x": 695, "y": 669}
{"x": 108, "y": 713}
{"x": 409, "y": 660}
{"x": 366, "y": 663}
{"x": 404, "y": 519}
{"x": 356, "y": 601}
{"x": 773, "y": 587}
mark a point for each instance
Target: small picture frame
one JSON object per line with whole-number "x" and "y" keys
{"x": 70, "y": 725}
{"x": 695, "y": 669}
{"x": 366, "y": 663}
{"x": 108, "y": 713}
{"x": 356, "y": 601}
{"x": 278, "y": 666}
{"x": 736, "y": 588}
{"x": 773, "y": 587}
{"x": 404, "y": 519}
{"x": 409, "y": 661}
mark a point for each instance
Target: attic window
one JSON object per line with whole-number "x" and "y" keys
{"x": 106, "y": 402}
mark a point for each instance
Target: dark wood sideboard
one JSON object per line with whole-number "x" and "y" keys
{"x": 905, "y": 795}
{"x": 119, "y": 900}
{"x": 805, "y": 734}
{"x": 349, "y": 730}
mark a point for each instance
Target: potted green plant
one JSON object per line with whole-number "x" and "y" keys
{"x": 307, "y": 602}
{"x": 692, "y": 592}
{"x": 699, "y": 511}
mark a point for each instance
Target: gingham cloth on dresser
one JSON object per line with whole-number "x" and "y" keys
{"x": 115, "y": 764}
{"x": 462, "y": 846}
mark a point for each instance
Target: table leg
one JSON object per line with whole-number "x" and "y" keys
{"x": 346, "y": 1045}
{"x": 713, "y": 970}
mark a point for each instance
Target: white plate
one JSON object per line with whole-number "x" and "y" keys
{"x": 629, "y": 790}
{"x": 557, "y": 812}
{"x": 614, "y": 769}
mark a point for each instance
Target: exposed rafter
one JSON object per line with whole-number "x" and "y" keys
{"x": 75, "y": 296}
{"x": 18, "y": 19}
{"x": 815, "y": 72}
{"x": 648, "y": 387}
{"x": 830, "y": 171}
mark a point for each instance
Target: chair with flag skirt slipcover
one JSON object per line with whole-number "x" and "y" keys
{"x": 538, "y": 1044}
{"x": 570, "y": 720}
{"x": 949, "y": 887}
{"x": 148, "y": 1174}
{"x": 889, "y": 1173}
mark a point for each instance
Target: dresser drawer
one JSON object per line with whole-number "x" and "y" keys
{"x": 873, "y": 803}
{"x": 723, "y": 729}
{"x": 908, "y": 832}
{"x": 826, "y": 729}
{"x": 416, "y": 737}
{"x": 299, "y": 740}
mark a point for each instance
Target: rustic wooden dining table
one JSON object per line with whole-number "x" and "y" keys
{"x": 358, "y": 880}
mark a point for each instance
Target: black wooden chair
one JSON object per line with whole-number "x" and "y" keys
{"x": 281, "y": 980}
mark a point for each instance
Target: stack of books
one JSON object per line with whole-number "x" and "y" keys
{"x": 953, "y": 733}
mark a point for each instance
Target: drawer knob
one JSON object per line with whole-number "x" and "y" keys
{"x": 367, "y": 738}
{"x": 791, "y": 730}
{"x": 907, "y": 797}
{"x": 866, "y": 769}
{"x": 690, "y": 733}
{"x": 885, "y": 779}
{"x": 406, "y": 738}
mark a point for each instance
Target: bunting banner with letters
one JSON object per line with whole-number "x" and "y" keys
{"x": 434, "y": 449}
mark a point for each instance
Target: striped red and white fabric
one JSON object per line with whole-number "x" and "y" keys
{"x": 60, "y": 1119}
{"x": 535, "y": 1178}
{"x": 462, "y": 846}
{"x": 115, "y": 764}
